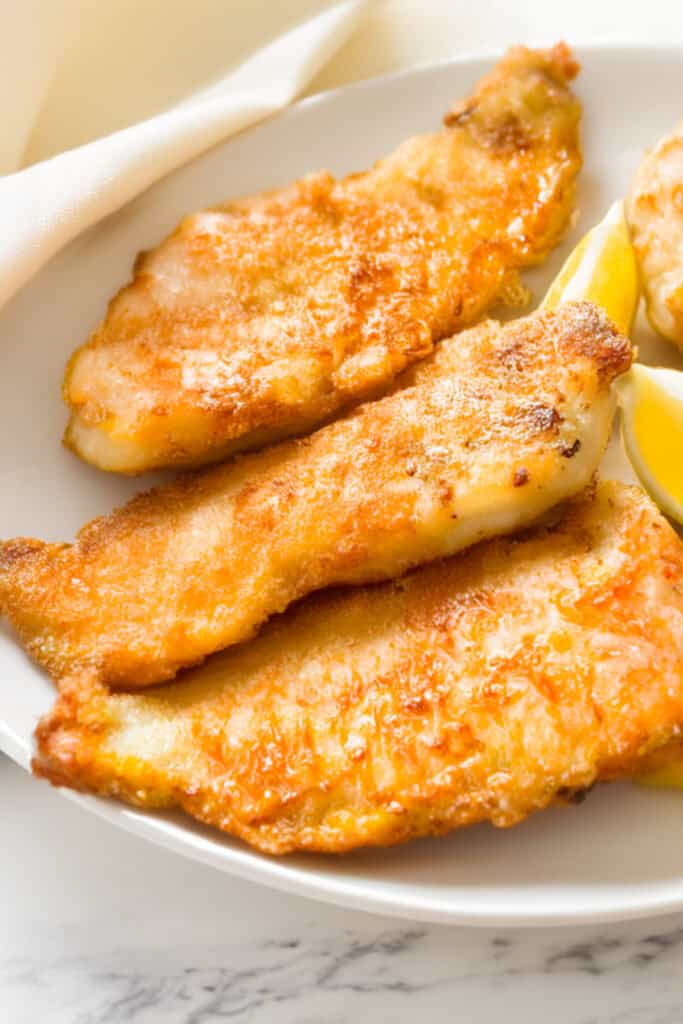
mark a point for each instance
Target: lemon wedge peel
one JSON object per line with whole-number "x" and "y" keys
{"x": 670, "y": 777}
{"x": 651, "y": 400}
{"x": 601, "y": 269}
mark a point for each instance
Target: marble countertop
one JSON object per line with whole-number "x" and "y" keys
{"x": 99, "y": 927}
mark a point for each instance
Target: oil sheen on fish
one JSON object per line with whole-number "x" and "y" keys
{"x": 655, "y": 215}
{"x": 500, "y": 424}
{"x": 264, "y": 317}
{"x": 481, "y": 688}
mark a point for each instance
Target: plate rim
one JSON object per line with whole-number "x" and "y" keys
{"x": 646, "y": 900}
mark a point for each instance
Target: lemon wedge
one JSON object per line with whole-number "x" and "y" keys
{"x": 601, "y": 269}
{"x": 651, "y": 400}
{"x": 670, "y": 777}
{"x": 652, "y": 429}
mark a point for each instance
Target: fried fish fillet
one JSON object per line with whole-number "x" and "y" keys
{"x": 498, "y": 425}
{"x": 263, "y": 317}
{"x": 655, "y": 215}
{"x": 481, "y": 688}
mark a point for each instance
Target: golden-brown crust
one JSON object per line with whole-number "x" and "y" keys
{"x": 264, "y": 317}
{"x": 200, "y": 564}
{"x": 480, "y": 688}
{"x": 655, "y": 215}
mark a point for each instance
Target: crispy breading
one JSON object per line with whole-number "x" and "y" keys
{"x": 655, "y": 216}
{"x": 481, "y": 688}
{"x": 497, "y": 426}
{"x": 264, "y": 317}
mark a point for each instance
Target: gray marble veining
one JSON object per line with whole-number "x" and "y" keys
{"x": 315, "y": 975}
{"x": 99, "y": 928}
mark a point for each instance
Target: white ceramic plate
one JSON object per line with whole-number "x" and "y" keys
{"x": 620, "y": 854}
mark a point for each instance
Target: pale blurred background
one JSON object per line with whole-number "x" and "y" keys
{"x": 98, "y": 926}
{"x": 73, "y": 70}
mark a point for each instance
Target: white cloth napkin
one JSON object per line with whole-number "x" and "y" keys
{"x": 47, "y": 204}
{"x": 74, "y": 71}
{"x": 402, "y": 33}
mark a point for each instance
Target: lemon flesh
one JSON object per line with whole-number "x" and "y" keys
{"x": 651, "y": 401}
{"x": 670, "y": 777}
{"x": 601, "y": 269}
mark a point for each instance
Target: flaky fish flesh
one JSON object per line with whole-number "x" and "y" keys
{"x": 481, "y": 688}
{"x": 264, "y": 317}
{"x": 500, "y": 424}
